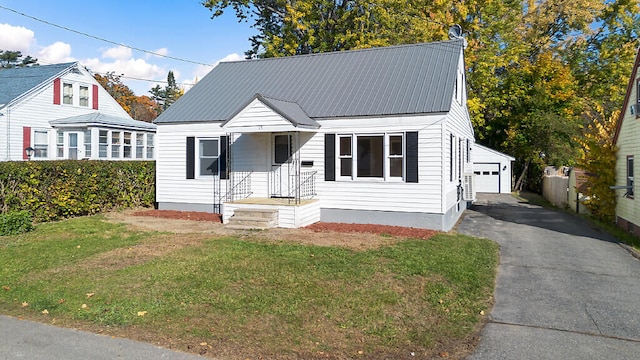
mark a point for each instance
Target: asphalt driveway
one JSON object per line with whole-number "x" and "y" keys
{"x": 564, "y": 290}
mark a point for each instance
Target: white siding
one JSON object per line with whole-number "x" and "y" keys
{"x": 628, "y": 145}
{"x": 172, "y": 186}
{"x": 37, "y": 109}
{"x": 255, "y": 115}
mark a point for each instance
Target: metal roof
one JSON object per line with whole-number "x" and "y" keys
{"x": 102, "y": 119}
{"x": 17, "y": 81}
{"x": 406, "y": 79}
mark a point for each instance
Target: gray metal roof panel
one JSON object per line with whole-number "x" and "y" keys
{"x": 406, "y": 79}
{"x": 102, "y": 119}
{"x": 17, "y": 81}
{"x": 291, "y": 111}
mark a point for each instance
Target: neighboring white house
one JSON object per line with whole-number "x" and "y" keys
{"x": 379, "y": 135}
{"x": 627, "y": 140}
{"x": 61, "y": 112}
{"x": 492, "y": 170}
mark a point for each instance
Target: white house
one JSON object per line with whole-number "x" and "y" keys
{"x": 379, "y": 135}
{"x": 492, "y": 170}
{"x": 61, "y": 112}
{"x": 627, "y": 140}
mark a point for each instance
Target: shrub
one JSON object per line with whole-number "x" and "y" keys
{"x": 16, "y": 222}
{"x": 51, "y": 190}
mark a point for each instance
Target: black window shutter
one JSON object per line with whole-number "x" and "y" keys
{"x": 412, "y": 156}
{"x": 191, "y": 157}
{"x": 224, "y": 142}
{"x": 329, "y": 157}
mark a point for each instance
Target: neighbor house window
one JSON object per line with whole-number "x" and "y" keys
{"x": 67, "y": 94}
{"x": 87, "y": 143}
{"x": 346, "y": 157}
{"x": 208, "y": 156}
{"x": 84, "y": 96}
{"x": 629, "y": 176}
{"x": 60, "y": 144}
{"x": 40, "y": 144}
{"x": 115, "y": 144}
{"x": 149, "y": 146}
{"x": 139, "y": 146}
{"x": 103, "y": 144}
{"x": 126, "y": 149}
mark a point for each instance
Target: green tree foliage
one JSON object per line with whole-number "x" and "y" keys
{"x": 11, "y": 59}
{"x": 166, "y": 96}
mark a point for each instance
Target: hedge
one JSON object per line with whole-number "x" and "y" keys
{"x": 52, "y": 190}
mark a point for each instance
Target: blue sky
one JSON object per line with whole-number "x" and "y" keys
{"x": 177, "y": 28}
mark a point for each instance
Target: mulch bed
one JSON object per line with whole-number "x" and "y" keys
{"x": 317, "y": 227}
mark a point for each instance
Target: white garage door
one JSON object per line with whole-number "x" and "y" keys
{"x": 487, "y": 177}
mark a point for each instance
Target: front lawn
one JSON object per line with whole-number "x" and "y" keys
{"x": 249, "y": 297}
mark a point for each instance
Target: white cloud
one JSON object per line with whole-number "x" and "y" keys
{"x": 57, "y": 52}
{"x": 16, "y": 38}
{"x": 117, "y": 53}
{"x": 162, "y": 51}
{"x": 202, "y": 70}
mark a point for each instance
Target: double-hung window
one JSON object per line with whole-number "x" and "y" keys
{"x": 115, "y": 144}
{"x": 346, "y": 156}
{"x": 87, "y": 143}
{"x": 371, "y": 156}
{"x": 60, "y": 144}
{"x": 139, "y": 146}
{"x": 629, "y": 176}
{"x": 67, "y": 94}
{"x": 103, "y": 144}
{"x": 126, "y": 149}
{"x": 84, "y": 96}
{"x": 208, "y": 156}
{"x": 40, "y": 144}
{"x": 149, "y": 146}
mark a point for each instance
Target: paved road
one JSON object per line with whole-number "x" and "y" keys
{"x": 563, "y": 291}
{"x": 21, "y": 339}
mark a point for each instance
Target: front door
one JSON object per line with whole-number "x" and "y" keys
{"x": 73, "y": 146}
{"x": 282, "y": 171}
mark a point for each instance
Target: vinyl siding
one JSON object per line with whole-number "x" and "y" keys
{"x": 628, "y": 144}
{"x": 171, "y": 183}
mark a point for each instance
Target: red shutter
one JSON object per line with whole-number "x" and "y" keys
{"x": 26, "y": 140}
{"x": 95, "y": 97}
{"x": 56, "y": 91}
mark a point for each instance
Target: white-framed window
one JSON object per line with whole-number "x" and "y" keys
{"x": 40, "y": 144}
{"x": 345, "y": 153}
{"x": 139, "y": 145}
{"x": 87, "y": 143}
{"x": 84, "y": 96}
{"x": 126, "y": 148}
{"x": 396, "y": 156}
{"x": 115, "y": 145}
{"x": 208, "y": 152}
{"x": 150, "y": 146}
{"x": 103, "y": 144}
{"x": 67, "y": 94}
{"x": 630, "y": 176}
{"x": 60, "y": 144}
{"x": 371, "y": 156}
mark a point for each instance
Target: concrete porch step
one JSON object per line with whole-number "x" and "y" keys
{"x": 248, "y": 218}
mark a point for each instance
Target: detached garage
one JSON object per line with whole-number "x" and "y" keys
{"x": 492, "y": 170}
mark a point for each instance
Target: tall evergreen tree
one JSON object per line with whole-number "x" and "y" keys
{"x": 165, "y": 96}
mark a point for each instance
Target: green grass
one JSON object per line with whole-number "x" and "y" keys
{"x": 251, "y": 298}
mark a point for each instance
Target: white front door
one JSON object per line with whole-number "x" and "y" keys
{"x": 72, "y": 152}
{"x": 282, "y": 166}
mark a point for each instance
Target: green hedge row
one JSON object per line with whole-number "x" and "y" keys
{"x": 52, "y": 190}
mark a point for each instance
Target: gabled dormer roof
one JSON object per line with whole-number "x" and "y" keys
{"x": 16, "y": 82}
{"x": 395, "y": 80}
{"x": 627, "y": 100}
